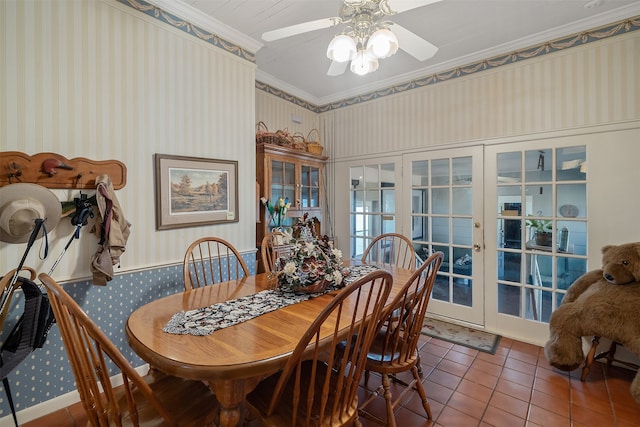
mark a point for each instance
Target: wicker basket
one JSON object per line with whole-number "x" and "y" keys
{"x": 284, "y": 138}
{"x": 264, "y": 136}
{"x": 313, "y": 142}
{"x": 299, "y": 142}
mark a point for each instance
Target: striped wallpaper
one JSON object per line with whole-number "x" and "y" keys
{"x": 590, "y": 85}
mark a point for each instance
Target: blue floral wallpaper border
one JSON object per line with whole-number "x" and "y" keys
{"x": 189, "y": 28}
{"x": 600, "y": 33}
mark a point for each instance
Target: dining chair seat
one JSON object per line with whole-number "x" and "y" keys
{"x": 317, "y": 386}
{"x": 155, "y": 399}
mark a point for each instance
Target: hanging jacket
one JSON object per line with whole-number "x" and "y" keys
{"x": 112, "y": 228}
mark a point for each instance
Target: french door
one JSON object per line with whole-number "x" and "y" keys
{"x": 445, "y": 192}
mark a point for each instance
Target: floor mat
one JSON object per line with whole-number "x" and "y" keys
{"x": 463, "y": 335}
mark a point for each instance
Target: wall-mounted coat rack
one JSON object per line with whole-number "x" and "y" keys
{"x": 52, "y": 170}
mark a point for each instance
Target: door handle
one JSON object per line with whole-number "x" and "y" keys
{"x": 477, "y": 247}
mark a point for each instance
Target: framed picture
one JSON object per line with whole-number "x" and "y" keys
{"x": 192, "y": 191}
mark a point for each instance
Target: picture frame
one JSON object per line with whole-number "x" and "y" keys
{"x": 195, "y": 191}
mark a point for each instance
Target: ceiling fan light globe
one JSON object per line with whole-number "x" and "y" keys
{"x": 341, "y": 49}
{"x": 383, "y": 43}
{"x": 363, "y": 63}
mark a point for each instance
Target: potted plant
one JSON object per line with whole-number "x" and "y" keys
{"x": 542, "y": 231}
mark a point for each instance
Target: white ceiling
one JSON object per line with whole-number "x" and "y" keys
{"x": 464, "y": 31}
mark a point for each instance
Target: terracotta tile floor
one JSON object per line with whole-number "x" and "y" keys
{"x": 514, "y": 387}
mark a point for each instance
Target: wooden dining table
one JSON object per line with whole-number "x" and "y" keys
{"x": 232, "y": 360}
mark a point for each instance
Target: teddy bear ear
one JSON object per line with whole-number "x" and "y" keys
{"x": 606, "y": 248}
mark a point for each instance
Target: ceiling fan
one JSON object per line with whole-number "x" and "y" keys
{"x": 366, "y": 37}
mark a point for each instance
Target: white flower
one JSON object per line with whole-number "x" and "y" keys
{"x": 337, "y": 276}
{"x": 336, "y": 253}
{"x": 289, "y": 268}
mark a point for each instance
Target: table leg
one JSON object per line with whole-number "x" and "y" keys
{"x": 231, "y": 395}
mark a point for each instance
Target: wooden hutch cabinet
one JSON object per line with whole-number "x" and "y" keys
{"x": 286, "y": 172}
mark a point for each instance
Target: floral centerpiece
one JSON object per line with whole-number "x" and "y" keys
{"x": 311, "y": 266}
{"x": 278, "y": 211}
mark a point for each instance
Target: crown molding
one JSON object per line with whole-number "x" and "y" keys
{"x": 194, "y": 16}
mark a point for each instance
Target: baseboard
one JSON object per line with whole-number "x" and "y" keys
{"x": 41, "y": 409}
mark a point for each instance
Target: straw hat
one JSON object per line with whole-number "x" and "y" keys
{"x": 20, "y": 205}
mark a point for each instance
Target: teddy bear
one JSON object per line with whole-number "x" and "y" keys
{"x": 603, "y": 303}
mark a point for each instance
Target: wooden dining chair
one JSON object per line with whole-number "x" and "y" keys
{"x": 274, "y": 245}
{"x": 395, "y": 347}
{"x": 391, "y": 249}
{"x": 318, "y": 387}
{"x": 153, "y": 399}
{"x": 211, "y": 260}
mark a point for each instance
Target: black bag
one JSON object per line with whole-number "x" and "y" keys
{"x": 30, "y": 332}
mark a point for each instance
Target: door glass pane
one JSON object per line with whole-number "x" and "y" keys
{"x": 569, "y": 269}
{"x": 304, "y": 193}
{"x": 510, "y": 233}
{"x": 387, "y": 175}
{"x": 462, "y": 264}
{"x": 440, "y": 172}
{"x": 441, "y": 288}
{"x": 315, "y": 197}
{"x": 509, "y": 266}
{"x": 372, "y": 201}
{"x": 509, "y": 167}
{"x": 420, "y": 173}
{"x": 289, "y": 174}
{"x": 373, "y": 225}
{"x": 440, "y": 200}
{"x": 277, "y": 172}
{"x": 538, "y": 165}
{"x": 539, "y": 200}
{"x": 440, "y": 230}
{"x": 304, "y": 176}
{"x": 371, "y": 176}
{"x": 461, "y": 171}
{"x": 420, "y": 201}
{"x": 575, "y": 236}
{"x": 462, "y": 201}
{"x": 420, "y": 228}
{"x": 539, "y": 270}
{"x": 357, "y": 201}
{"x": 357, "y": 224}
{"x": 509, "y": 299}
{"x": 357, "y": 178}
{"x": 572, "y": 200}
{"x": 462, "y": 294}
{"x": 571, "y": 164}
{"x": 388, "y": 200}
{"x": 388, "y": 223}
{"x": 315, "y": 177}
{"x": 509, "y": 200}
{"x": 462, "y": 231}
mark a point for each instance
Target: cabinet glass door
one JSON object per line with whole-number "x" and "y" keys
{"x": 283, "y": 177}
{"x": 309, "y": 187}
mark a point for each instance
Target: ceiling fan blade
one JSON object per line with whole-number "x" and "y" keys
{"x": 305, "y": 27}
{"x": 413, "y": 44}
{"x": 337, "y": 68}
{"x": 400, "y": 6}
